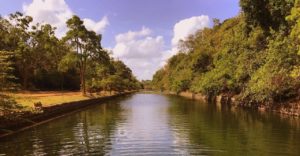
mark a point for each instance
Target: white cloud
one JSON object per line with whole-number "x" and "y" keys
{"x": 56, "y": 13}
{"x": 189, "y": 26}
{"x": 130, "y": 35}
{"x": 140, "y": 51}
{"x": 184, "y": 29}
{"x": 98, "y": 27}
{"x": 145, "y": 54}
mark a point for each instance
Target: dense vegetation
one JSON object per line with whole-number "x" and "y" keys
{"x": 33, "y": 58}
{"x": 254, "y": 56}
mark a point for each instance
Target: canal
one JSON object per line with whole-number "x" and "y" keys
{"x": 152, "y": 124}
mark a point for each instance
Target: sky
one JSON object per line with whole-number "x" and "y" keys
{"x": 141, "y": 33}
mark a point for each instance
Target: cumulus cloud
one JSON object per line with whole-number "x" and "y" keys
{"x": 140, "y": 51}
{"x": 189, "y": 26}
{"x": 183, "y": 29}
{"x": 56, "y": 13}
{"x": 98, "y": 27}
{"x": 131, "y": 35}
{"x": 145, "y": 54}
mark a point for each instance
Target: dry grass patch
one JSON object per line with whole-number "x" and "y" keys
{"x": 28, "y": 99}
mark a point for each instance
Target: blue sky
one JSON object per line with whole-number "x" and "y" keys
{"x": 139, "y": 32}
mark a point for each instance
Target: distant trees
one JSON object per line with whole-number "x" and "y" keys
{"x": 254, "y": 56}
{"x": 159, "y": 80}
{"x": 112, "y": 76}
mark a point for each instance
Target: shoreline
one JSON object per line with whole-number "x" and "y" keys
{"x": 29, "y": 120}
{"x": 289, "y": 108}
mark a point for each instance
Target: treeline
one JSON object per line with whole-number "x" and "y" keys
{"x": 253, "y": 56}
{"x": 33, "y": 58}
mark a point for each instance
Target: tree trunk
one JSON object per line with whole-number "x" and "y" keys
{"x": 83, "y": 75}
{"x": 25, "y": 79}
{"x": 62, "y": 81}
{"x": 82, "y": 81}
{"x": 82, "y": 70}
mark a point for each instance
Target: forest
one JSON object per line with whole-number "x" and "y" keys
{"x": 253, "y": 56}
{"x": 33, "y": 58}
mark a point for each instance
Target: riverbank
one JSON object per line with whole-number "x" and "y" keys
{"x": 27, "y": 119}
{"x": 290, "y": 108}
{"x": 51, "y": 98}
{"x": 155, "y": 124}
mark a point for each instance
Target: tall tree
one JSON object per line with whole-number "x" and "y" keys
{"x": 77, "y": 36}
{"x": 86, "y": 44}
{"x": 21, "y": 38}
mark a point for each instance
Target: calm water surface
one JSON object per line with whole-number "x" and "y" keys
{"x": 150, "y": 124}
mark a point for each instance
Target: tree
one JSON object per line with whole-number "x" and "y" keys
{"x": 260, "y": 65}
{"x": 267, "y": 13}
{"x": 99, "y": 68}
{"x": 7, "y": 78}
{"x": 7, "y": 83}
{"x": 294, "y": 21}
{"x": 158, "y": 80}
{"x": 216, "y": 22}
{"x": 85, "y": 43}
{"x": 76, "y": 35}
{"x": 49, "y": 51}
{"x": 42, "y": 61}
{"x": 123, "y": 78}
{"x": 6, "y": 37}
{"x": 21, "y": 38}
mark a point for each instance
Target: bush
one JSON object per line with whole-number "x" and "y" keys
{"x": 8, "y": 106}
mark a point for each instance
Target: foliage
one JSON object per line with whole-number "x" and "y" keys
{"x": 8, "y": 106}
{"x": 32, "y": 57}
{"x": 7, "y": 83}
{"x": 294, "y": 20}
{"x": 267, "y": 13}
{"x": 7, "y": 79}
{"x": 272, "y": 80}
{"x": 254, "y": 55}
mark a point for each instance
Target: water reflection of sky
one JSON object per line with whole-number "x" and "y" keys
{"x": 146, "y": 129}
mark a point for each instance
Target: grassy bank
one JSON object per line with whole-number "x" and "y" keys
{"x": 50, "y": 98}
{"x": 19, "y": 121}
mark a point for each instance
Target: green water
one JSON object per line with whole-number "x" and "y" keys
{"x": 150, "y": 124}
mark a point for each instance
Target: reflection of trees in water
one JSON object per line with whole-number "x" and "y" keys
{"x": 233, "y": 131}
{"x": 183, "y": 115}
{"x": 96, "y": 126}
{"x": 88, "y": 131}
{"x": 198, "y": 127}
